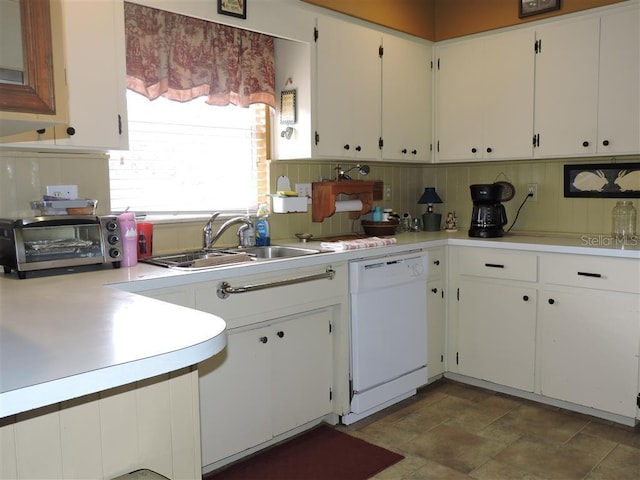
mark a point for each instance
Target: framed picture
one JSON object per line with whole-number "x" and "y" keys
{"x": 607, "y": 180}
{"x": 534, "y": 7}
{"x": 288, "y": 107}
{"x": 233, "y": 8}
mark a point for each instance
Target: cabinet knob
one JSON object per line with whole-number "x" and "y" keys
{"x": 280, "y": 334}
{"x": 71, "y": 131}
{"x": 436, "y": 262}
{"x": 551, "y": 301}
{"x": 585, "y": 144}
{"x": 474, "y": 150}
{"x": 415, "y": 152}
{"x": 347, "y": 147}
{"x": 264, "y": 339}
{"x": 525, "y": 298}
{"x": 489, "y": 150}
{"x": 358, "y": 148}
{"x": 403, "y": 151}
{"x": 434, "y": 290}
{"x": 41, "y": 130}
{"x": 605, "y": 143}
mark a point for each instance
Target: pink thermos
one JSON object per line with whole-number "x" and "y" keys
{"x": 129, "y": 233}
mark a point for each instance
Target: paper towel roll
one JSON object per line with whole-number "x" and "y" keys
{"x": 349, "y": 206}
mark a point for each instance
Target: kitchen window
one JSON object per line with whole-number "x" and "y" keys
{"x": 197, "y": 105}
{"x": 189, "y": 158}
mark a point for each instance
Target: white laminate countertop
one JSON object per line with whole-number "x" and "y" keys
{"x": 63, "y": 336}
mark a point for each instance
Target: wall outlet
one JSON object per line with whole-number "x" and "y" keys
{"x": 63, "y": 191}
{"x": 532, "y": 189}
{"x": 387, "y": 192}
{"x": 304, "y": 190}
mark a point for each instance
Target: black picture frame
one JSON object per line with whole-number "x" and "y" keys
{"x": 233, "y": 8}
{"x": 527, "y": 8}
{"x": 604, "y": 180}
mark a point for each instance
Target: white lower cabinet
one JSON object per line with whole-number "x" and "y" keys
{"x": 565, "y": 327}
{"x": 496, "y": 316}
{"x": 436, "y": 312}
{"x": 589, "y": 323}
{"x": 496, "y": 332}
{"x": 270, "y": 380}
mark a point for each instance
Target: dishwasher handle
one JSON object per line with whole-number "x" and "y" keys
{"x": 225, "y": 289}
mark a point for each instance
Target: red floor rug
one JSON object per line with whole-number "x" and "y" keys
{"x": 322, "y": 453}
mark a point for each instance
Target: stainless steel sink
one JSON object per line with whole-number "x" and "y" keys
{"x": 198, "y": 259}
{"x": 277, "y": 251}
{"x": 201, "y": 259}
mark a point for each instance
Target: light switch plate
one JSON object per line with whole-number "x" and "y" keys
{"x": 63, "y": 191}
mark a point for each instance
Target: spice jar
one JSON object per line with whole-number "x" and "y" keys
{"x": 623, "y": 220}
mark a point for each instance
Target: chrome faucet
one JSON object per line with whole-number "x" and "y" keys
{"x": 209, "y": 239}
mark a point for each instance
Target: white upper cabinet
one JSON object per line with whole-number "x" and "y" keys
{"x": 95, "y": 74}
{"x": 406, "y": 100}
{"x": 619, "y": 80}
{"x": 567, "y": 88}
{"x": 587, "y": 95}
{"x": 348, "y": 103}
{"x": 484, "y": 106}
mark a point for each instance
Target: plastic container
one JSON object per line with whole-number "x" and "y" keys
{"x": 377, "y": 214}
{"x": 623, "y": 220}
{"x": 129, "y": 232}
{"x": 263, "y": 236}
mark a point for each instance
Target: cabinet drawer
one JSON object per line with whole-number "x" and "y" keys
{"x": 498, "y": 264}
{"x": 603, "y": 273}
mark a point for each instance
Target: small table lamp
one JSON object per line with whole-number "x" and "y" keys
{"x": 430, "y": 219}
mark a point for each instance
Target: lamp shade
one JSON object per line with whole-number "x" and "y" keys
{"x": 429, "y": 196}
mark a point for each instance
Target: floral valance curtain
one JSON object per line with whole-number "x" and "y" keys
{"x": 182, "y": 58}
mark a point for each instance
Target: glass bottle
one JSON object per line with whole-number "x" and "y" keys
{"x": 623, "y": 220}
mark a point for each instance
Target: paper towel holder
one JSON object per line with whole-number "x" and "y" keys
{"x": 324, "y": 196}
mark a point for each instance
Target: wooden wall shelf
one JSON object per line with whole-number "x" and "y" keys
{"x": 324, "y": 196}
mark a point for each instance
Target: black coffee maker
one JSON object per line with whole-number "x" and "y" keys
{"x": 488, "y": 216}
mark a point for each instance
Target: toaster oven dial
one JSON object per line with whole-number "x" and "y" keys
{"x": 114, "y": 253}
{"x": 113, "y": 239}
{"x": 111, "y": 226}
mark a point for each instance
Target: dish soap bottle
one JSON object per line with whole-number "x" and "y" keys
{"x": 263, "y": 238}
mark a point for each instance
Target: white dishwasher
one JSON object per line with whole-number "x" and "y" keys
{"x": 388, "y": 331}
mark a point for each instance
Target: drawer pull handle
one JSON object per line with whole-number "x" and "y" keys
{"x": 551, "y": 301}
{"x": 434, "y": 290}
{"x": 525, "y": 298}
{"x": 264, "y": 339}
{"x": 493, "y": 265}
{"x": 280, "y": 334}
{"x": 588, "y": 274}
{"x": 436, "y": 262}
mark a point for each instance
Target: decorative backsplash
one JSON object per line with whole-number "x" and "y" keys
{"x": 24, "y": 176}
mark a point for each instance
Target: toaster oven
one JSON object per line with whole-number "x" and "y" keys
{"x": 64, "y": 241}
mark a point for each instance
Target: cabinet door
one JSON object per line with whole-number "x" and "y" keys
{"x": 619, "y": 94}
{"x": 496, "y": 332}
{"x": 301, "y": 359}
{"x": 566, "y": 97}
{"x": 95, "y": 73}
{"x": 508, "y": 86}
{"x": 349, "y": 92}
{"x": 235, "y": 403}
{"x": 589, "y": 348}
{"x": 459, "y": 102}
{"x": 406, "y": 100}
{"x": 436, "y": 327}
